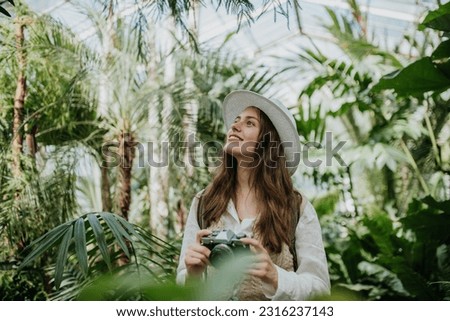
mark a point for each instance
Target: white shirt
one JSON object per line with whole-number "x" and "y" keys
{"x": 311, "y": 277}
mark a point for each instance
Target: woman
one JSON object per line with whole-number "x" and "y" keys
{"x": 252, "y": 193}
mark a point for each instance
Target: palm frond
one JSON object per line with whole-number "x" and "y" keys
{"x": 90, "y": 240}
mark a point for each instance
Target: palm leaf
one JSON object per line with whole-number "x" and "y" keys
{"x": 131, "y": 229}
{"x": 118, "y": 231}
{"x": 80, "y": 245}
{"x": 45, "y": 242}
{"x": 3, "y": 10}
{"x": 100, "y": 237}
{"x": 95, "y": 245}
{"x": 62, "y": 253}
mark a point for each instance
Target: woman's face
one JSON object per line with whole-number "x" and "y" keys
{"x": 242, "y": 137}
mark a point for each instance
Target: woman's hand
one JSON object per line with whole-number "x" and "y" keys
{"x": 196, "y": 258}
{"x": 263, "y": 268}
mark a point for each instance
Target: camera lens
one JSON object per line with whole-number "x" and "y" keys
{"x": 220, "y": 254}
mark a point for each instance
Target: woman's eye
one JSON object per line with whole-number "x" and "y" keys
{"x": 250, "y": 123}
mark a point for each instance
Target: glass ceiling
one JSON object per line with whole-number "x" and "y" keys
{"x": 387, "y": 19}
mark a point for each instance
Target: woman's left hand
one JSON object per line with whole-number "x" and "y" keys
{"x": 263, "y": 268}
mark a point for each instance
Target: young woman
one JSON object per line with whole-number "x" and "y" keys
{"x": 252, "y": 193}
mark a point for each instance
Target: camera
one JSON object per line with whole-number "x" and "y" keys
{"x": 224, "y": 246}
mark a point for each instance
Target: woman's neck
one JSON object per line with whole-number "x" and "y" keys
{"x": 243, "y": 177}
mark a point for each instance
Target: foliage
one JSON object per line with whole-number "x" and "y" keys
{"x": 57, "y": 117}
{"x": 141, "y": 286}
{"x": 96, "y": 243}
{"x": 21, "y": 286}
{"x": 243, "y": 9}
{"x": 78, "y": 98}
{"x": 428, "y": 73}
{"x": 384, "y": 216}
{"x": 390, "y": 244}
{"x": 400, "y": 259}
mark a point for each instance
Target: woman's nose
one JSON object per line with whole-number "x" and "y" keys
{"x": 236, "y": 126}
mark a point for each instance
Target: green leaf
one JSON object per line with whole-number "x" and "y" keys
{"x": 412, "y": 281}
{"x": 381, "y": 231}
{"x": 100, "y": 237}
{"x": 416, "y": 79}
{"x": 80, "y": 245}
{"x": 3, "y": 10}
{"x": 118, "y": 231}
{"x": 383, "y": 275}
{"x": 444, "y": 68}
{"x": 429, "y": 223}
{"x": 442, "y": 51}
{"x": 131, "y": 229}
{"x": 438, "y": 19}
{"x": 61, "y": 258}
{"x": 45, "y": 242}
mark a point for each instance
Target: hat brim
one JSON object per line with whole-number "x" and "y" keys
{"x": 237, "y": 101}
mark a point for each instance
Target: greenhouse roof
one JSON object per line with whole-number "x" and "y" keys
{"x": 271, "y": 34}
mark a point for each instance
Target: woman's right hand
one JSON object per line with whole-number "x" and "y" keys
{"x": 196, "y": 258}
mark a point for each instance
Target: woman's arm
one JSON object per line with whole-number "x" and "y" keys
{"x": 311, "y": 277}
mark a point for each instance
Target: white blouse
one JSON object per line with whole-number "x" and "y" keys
{"x": 311, "y": 277}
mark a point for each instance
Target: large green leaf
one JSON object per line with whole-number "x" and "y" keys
{"x": 442, "y": 51}
{"x": 429, "y": 220}
{"x": 383, "y": 275}
{"x": 416, "y": 79}
{"x": 438, "y": 19}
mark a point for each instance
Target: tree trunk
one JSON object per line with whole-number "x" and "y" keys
{"x": 126, "y": 154}
{"x": 31, "y": 141}
{"x": 106, "y": 192}
{"x": 19, "y": 100}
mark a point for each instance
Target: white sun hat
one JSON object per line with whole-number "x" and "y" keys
{"x": 238, "y": 100}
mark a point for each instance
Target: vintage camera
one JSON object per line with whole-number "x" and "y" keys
{"x": 224, "y": 246}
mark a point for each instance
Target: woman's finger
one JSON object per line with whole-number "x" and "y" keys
{"x": 258, "y": 248}
{"x": 200, "y": 249}
{"x": 200, "y": 234}
{"x": 198, "y": 255}
{"x": 196, "y": 260}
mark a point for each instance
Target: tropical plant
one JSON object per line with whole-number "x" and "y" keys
{"x": 38, "y": 138}
{"x": 62, "y": 112}
{"x": 384, "y": 244}
{"x": 94, "y": 244}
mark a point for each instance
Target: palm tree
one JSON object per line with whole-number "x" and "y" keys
{"x": 41, "y": 124}
{"x": 61, "y": 111}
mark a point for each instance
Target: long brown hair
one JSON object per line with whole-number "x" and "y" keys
{"x": 273, "y": 187}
